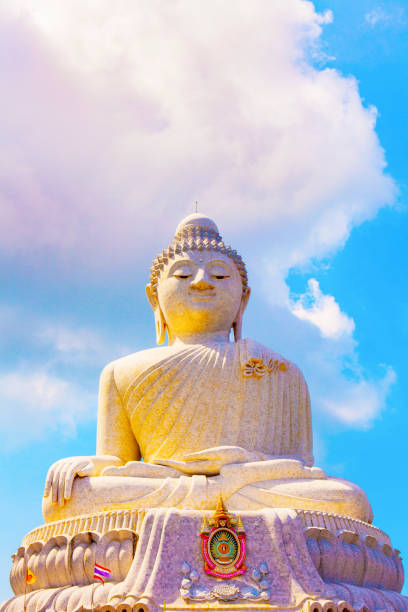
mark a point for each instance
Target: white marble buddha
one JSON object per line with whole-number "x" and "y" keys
{"x": 206, "y": 414}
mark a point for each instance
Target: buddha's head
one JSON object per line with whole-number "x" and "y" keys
{"x": 198, "y": 285}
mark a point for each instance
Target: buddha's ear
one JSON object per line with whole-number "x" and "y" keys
{"x": 158, "y": 315}
{"x": 237, "y": 324}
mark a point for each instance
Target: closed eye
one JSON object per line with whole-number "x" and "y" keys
{"x": 182, "y": 275}
{"x": 220, "y": 276}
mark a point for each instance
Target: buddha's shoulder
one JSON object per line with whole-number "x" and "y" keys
{"x": 256, "y": 350}
{"x": 125, "y": 369}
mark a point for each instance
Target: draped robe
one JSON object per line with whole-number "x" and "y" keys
{"x": 198, "y": 397}
{"x": 162, "y": 404}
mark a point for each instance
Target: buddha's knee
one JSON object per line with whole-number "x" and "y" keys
{"x": 333, "y": 495}
{"x": 354, "y": 501}
{"x": 80, "y": 502}
{"x": 53, "y": 511}
{"x": 100, "y": 493}
{"x": 330, "y": 495}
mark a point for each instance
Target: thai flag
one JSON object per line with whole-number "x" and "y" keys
{"x": 101, "y": 573}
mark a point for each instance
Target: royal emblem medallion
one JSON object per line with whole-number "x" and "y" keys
{"x": 223, "y": 544}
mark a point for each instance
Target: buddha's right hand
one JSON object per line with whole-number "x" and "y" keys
{"x": 210, "y": 460}
{"x": 61, "y": 474}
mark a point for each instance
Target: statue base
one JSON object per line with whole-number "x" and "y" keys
{"x": 296, "y": 560}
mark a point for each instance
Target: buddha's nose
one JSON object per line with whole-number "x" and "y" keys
{"x": 201, "y": 281}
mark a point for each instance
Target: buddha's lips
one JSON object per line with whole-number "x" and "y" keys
{"x": 202, "y": 296}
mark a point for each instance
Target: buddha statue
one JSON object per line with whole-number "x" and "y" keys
{"x": 178, "y": 425}
{"x": 206, "y": 426}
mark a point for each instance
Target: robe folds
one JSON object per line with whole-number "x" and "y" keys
{"x": 228, "y": 394}
{"x": 163, "y": 404}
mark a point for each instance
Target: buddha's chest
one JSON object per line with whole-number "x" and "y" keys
{"x": 179, "y": 414}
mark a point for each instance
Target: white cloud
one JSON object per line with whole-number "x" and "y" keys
{"x": 374, "y": 16}
{"x": 362, "y": 401}
{"x": 385, "y": 16}
{"x": 78, "y": 344}
{"x": 323, "y": 311}
{"x": 136, "y": 112}
{"x": 339, "y": 386}
{"x": 67, "y": 341}
{"x": 56, "y": 341}
{"x": 47, "y": 388}
{"x": 34, "y": 404}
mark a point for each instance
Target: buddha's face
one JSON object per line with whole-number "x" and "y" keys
{"x": 198, "y": 292}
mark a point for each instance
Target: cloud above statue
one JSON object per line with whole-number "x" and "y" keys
{"x": 117, "y": 121}
{"x": 121, "y": 118}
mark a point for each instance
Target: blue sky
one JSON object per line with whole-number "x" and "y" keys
{"x": 289, "y": 124}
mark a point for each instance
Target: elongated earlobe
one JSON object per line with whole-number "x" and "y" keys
{"x": 237, "y": 324}
{"x": 237, "y": 329}
{"x": 160, "y": 325}
{"x": 160, "y": 322}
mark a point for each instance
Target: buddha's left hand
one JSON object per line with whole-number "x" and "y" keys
{"x": 210, "y": 460}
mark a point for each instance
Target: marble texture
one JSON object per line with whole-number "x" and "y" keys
{"x": 291, "y": 565}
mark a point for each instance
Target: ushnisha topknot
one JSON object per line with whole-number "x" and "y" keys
{"x": 197, "y": 232}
